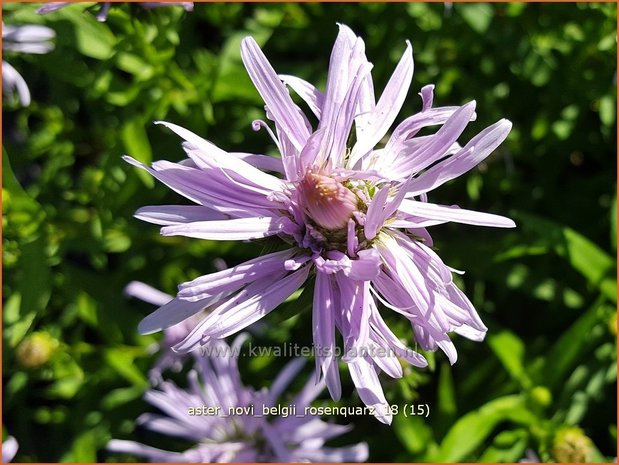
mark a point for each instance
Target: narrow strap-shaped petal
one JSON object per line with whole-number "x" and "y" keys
{"x": 273, "y": 92}
{"x": 283, "y": 380}
{"x": 170, "y": 314}
{"x": 190, "y": 182}
{"x": 427, "y": 96}
{"x": 241, "y": 312}
{"x": 52, "y": 6}
{"x": 338, "y": 127}
{"x": 470, "y": 156}
{"x": 374, "y": 213}
{"x": 146, "y": 293}
{"x": 357, "y": 453}
{"x": 354, "y": 300}
{"x": 31, "y": 33}
{"x": 315, "y": 429}
{"x": 366, "y": 103}
{"x": 262, "y": 162}
{"x": 454, "y": 213}
{"x": 177, "y": 214}
{"x": 380, "y": 328}
{"x": 435, "y": 147}
{"x": 406, "y": 272}
{"x": 232, "y": 279}
{"x": 227, "y": 230}
{"x": 387, "y": 108}
{"x": 338, "y": 75}
{"x": 247, "y": 307}
{"x": 310, "y": 95}
{"x": 170, "y": 427}
{"x": 223, "y": 159}
{"x": 12, "y": 81}
{"x": 323, "y": 330}
{"x": 102, "y": 15}
{"x": 368, "y": 386}
{"x": 135, "y": 448}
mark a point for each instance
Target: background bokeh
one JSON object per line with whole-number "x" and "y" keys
{"x": 74, "y": 367}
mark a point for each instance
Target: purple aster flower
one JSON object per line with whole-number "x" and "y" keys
{"x": 9, "y": 449}
{"x": 215, "y": 387}
{"x": 354, "y": 217}
{"x": 24, "y": 39}
{"x": 105, "y": 7}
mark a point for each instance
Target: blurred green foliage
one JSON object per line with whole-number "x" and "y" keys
{"x": 74, "y": 367}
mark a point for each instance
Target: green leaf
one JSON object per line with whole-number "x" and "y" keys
{"x": 84, "y": 448}
{"x": 507, "y": 447}
{"x": 34, "y": 288}
{"x": 446, "y": 392}
{"x": 92, "y": 38}
{"x": 510, "y": 351}
{"x": 607, "y": 110}
{"x": 136, "y": 142}
{"x": 121, "y": 359}
{"x": 583, "y": 255}
{"x": 476, "y": 15}
{"x": 413, "y": 433}
{"x": 121, "y": 396}
{"x": 571, "y": 346}
{"x": 471, "y": 430}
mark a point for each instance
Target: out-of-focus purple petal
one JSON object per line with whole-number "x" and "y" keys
{"x": 135, "y": 448}
{"x": 31, "y": 34}
{"x": 13, "y": 82}
{"x": 283, "y": 380}
{"x": 52, "y": 6}
{"x": 105, "y": 8}
{"x": 146, "y": 293}
{"x": 187, "y": 6}
{"x": 9, "y": 449}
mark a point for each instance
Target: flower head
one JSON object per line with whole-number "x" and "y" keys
{"x": 355, "y": 216}
{"x": 24, "y": 39}
{"x": 230, "y": 425}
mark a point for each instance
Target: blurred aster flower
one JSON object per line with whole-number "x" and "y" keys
{"x": 24, "y": 39}
{"x": 354, "y": 216}
{"x": 9, "y": 449}
{"x": 105, "y": 7}
{"x": 215, "y": 383}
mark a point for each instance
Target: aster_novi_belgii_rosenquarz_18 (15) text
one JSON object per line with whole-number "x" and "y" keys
{"x": 354, "y": 217}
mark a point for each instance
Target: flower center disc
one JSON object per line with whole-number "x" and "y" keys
{"x": 326, "y": 201}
